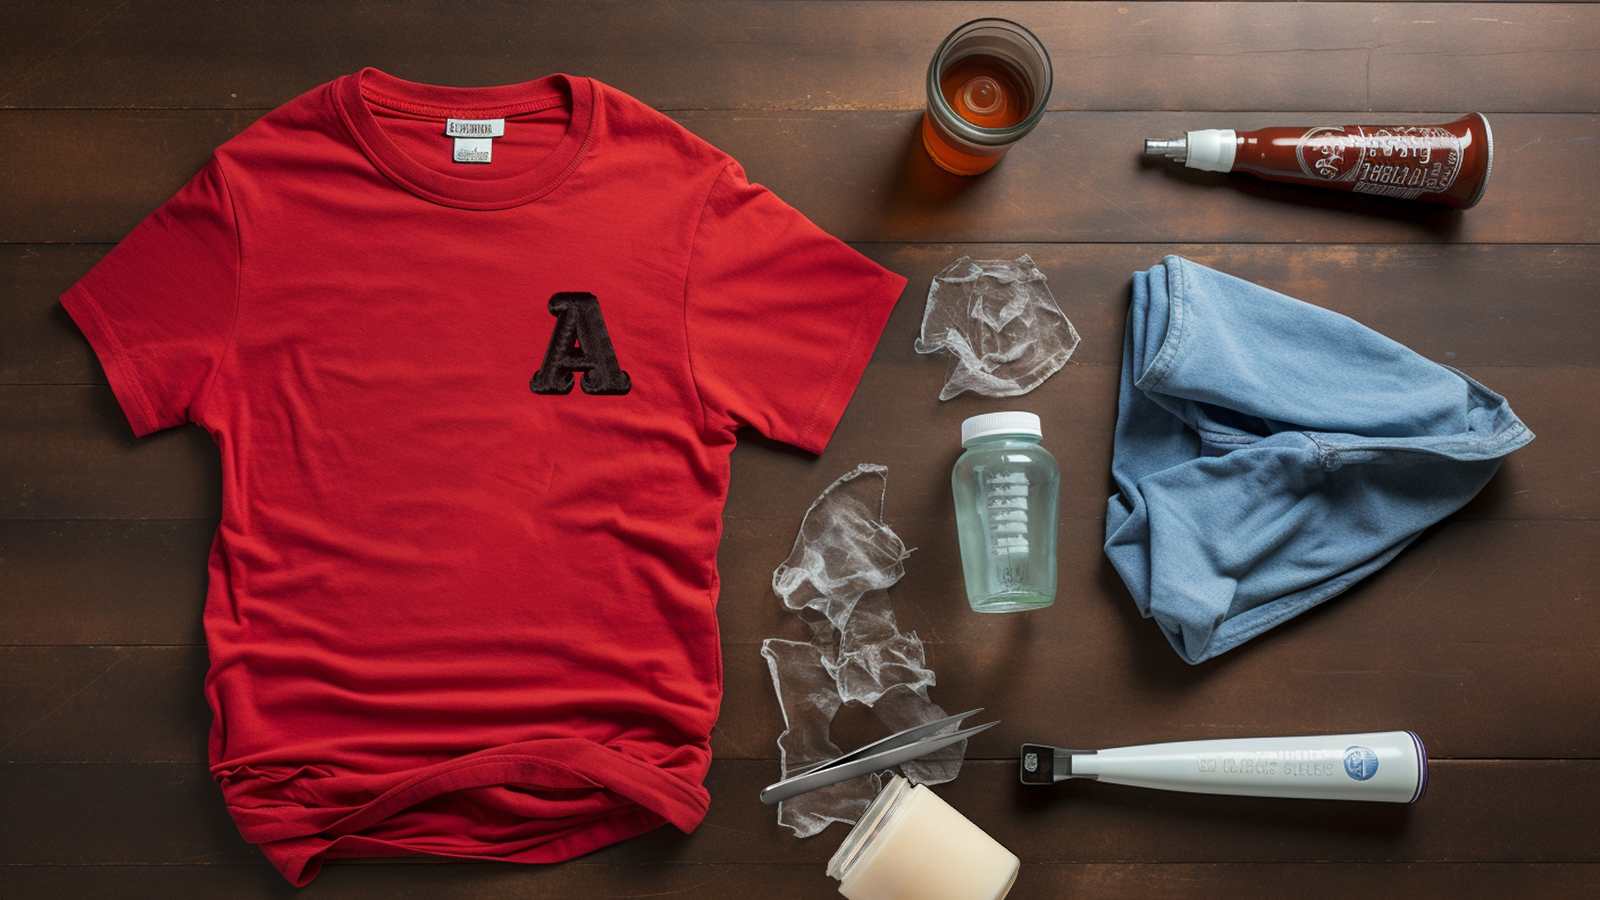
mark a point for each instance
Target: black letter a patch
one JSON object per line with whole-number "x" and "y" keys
{"x": 579, "y": 344}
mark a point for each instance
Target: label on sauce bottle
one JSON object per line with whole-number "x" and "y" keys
{"x": 1404, "y": 161}
{"x": 1447, "y": 163}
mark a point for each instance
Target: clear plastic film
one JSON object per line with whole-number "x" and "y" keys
{"x": 1000, "y": 322}
{"x": 844, "y": 558}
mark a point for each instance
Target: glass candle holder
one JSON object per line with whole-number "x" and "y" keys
{"x": 988, "y": 85}
{"x": 910, "y": 843}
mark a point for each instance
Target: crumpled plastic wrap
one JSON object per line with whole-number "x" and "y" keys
{"x": 844, "y": 558}
{"x": 1000, "y": 322}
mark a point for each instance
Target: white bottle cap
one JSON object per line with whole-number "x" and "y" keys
{"x": 1000, "y": 423}
{"x": 1212, "y": 150}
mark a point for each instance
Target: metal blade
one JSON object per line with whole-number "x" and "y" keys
{"x": 884, "y": 759}
{"x": 898, "y": 739}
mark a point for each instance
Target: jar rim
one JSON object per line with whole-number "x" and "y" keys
{"x": 951, "y": 121}
{"x": 869, "y": 827}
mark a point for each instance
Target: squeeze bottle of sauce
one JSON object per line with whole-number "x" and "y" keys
{"x": 1446, "y": 164}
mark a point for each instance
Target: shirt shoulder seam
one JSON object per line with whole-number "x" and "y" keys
{"x": 688, "y": 267}
{"x": 238, "y": 289}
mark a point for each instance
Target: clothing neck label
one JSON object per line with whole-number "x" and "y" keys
{"x": 474, "y": 138}
{"x": 474, "y": 150}
{"x": 475, "y": 128}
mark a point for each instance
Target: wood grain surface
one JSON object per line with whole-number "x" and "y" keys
{"x": 1484, "y": 636}
{"x": 788, "y": 56}
{"x": 798, "y": 881}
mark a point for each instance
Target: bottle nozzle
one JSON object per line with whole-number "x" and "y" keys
{"x": 1175, "y": 149}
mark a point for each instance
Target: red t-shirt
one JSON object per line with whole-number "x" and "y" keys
{"x": 474, "y": 423}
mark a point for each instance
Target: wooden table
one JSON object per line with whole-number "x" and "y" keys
{"x": 1484, "y": 637}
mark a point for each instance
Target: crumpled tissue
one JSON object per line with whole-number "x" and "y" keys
{"x": 1000, "y": 322}
{"x": 843, "y": 560}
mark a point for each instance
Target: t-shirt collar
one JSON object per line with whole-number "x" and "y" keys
{"x": 354, "y": 93}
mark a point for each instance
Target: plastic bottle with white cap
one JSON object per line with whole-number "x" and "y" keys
{"x": 1006, "y": 488}
{"x": 1447, "y": 163}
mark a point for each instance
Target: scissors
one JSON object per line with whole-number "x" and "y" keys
{"x": 919, "y": 740}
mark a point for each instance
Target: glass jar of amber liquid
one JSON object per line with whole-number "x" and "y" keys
{"x": 988, "y": 85}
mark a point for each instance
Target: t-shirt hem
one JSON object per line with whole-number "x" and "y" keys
{"x": 297, "y": 838}
{"x": 301, "y": 869}
{"x": 120, "y": 371}
{"x": 870, "y": 323}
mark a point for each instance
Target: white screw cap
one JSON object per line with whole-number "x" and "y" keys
{"x": 1212, "y": 150}
{"x": 1000, "y": 423}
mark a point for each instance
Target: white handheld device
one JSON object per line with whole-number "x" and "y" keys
{"x": 1383, "y": 766}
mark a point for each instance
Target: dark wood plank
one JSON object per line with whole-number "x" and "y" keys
{"x": 1078, "y": 178}
{"x": 103, "y": 704}
{"x": 38, "y": 342}
{"x": 103, "y": 581}
{"x": 864, "y": 176}
{"x": 1396, "y": 652}
{"x": 1535, "y": 296}
{"x": 817, "y": 55}
{"x": 1486, "y": 811}
{"x": 62, "y": 446}
{"x": 67, "y": 451}
{"x": 806, "y": 881}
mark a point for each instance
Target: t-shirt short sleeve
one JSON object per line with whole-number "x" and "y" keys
{"x": 160, "y": 308}
{"x": 781, "y": 316}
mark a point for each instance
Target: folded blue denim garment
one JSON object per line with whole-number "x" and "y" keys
{"x": 1270, "y": 454}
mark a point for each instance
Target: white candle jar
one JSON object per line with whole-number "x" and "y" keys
{"x": 911, "y": 845}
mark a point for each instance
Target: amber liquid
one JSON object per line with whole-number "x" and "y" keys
{"x": 986, "y": 91}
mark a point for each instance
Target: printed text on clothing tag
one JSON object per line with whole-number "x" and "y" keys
{"x": 475, "y": 128}
{"x": 474, "y": 150}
